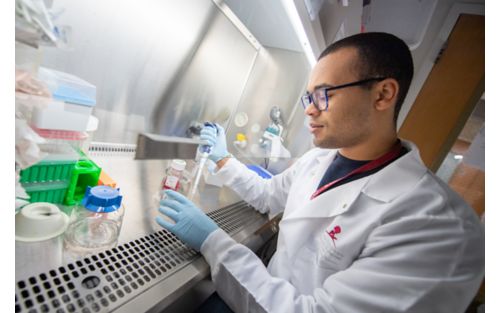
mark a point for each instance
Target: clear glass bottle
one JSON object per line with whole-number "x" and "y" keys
{"x": 94, "y": 224}
{"x": 173, "y": 175}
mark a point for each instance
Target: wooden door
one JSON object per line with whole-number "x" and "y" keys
{"x": 448, "y": 96}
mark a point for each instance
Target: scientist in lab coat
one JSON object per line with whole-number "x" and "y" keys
{"x": 366, "y": 226}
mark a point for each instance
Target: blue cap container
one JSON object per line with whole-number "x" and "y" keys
{"x": 102, "y": 199}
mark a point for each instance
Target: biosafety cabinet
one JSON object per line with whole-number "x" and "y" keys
{"x": 152, "y": 73}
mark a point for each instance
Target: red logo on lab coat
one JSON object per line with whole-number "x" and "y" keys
{"x": 336, "y": 230}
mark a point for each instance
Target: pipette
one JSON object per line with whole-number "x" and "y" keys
{"x": 205, "y": 152}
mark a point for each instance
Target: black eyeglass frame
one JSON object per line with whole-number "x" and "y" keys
{"x": 309, "y": 98}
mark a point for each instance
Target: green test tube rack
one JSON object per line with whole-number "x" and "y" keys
{"x": 85, "y": 173}
{"x": 47, "y": 171}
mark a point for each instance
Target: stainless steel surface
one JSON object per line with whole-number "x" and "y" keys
{"x": 153, "y": 247}
{"x": 164, "y": 61}
{"x": 210, "y": 83}
{"x": 278, "y": 79}
{"x": 268, "y": 21}
{"x": 157, "y": 147}
{"x": 139, "y": 183}
{"x": 176, "y": 290}
{"x": 143, "y": 274}
{"x": 160, "y": 65}
{"x": 234, "y": 18}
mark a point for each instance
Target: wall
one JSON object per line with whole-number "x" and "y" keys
{"x": 425, "y": 54}
{"x": 334, "y": 14}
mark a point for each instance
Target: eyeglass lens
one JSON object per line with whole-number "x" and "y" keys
{"x": 319, "y": 99}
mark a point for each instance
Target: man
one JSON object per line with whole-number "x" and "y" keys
{"x": 366, "y": 226}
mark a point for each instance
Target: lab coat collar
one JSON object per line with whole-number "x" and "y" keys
{"x": 320, "y": 166}
{"x": 385, "y": 185}
{"x": 330, "y": 203}
{"x": 398, "y": 177}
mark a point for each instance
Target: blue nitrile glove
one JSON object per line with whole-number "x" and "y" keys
{"x": 192, "y": 225}
{"x": 216, "y": 138}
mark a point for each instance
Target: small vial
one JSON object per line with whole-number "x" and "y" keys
{"x": 173, "y": 175}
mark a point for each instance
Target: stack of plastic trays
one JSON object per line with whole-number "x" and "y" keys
{"x": 62, "y": 144}
{"x": 48, "y": 180}
{"x": 73, "y": 101}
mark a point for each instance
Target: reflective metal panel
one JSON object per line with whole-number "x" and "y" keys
{"x": 152, "y": 146}
{"x": 160, "y": 65}
{"x": 211, "y": 84}
{"x": 137, "y": 53}
{"x": 278, "y": 79}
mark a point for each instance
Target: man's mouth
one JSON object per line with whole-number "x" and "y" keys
{"x": 314, "y": 127}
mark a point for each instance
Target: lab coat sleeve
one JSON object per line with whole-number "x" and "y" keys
{"x": 265, "y": 195}
{"x": 243, "y": 282}
{"x": 407, "y": 266}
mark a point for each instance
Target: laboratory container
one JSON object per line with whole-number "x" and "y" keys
{"x": 95, "y": 223}
{"x": 62, "y": 145}
{"x": 72, "y": 102}
{"x": 173, "y": 175}
{"x": 61, "y": 116}
{"x": 67, "y": 87}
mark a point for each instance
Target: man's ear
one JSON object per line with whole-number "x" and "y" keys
{"x": 386, "y": 93}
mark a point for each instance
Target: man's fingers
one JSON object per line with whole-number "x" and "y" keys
{"x": 177, "y": 197}
{"x": 170, "y": 213}
{"x": 168, "y": 226}
{"x": 209, "y": 132}
{"x": 211, "y": 141}
{"x": 172, "y": 204}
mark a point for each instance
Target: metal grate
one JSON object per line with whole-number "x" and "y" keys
{"x": 104, "y": 281}
{"x": 108, "y": 149}
{"x": 233, "y": 217}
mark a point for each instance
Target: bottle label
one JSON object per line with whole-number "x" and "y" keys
{"x": 171, "y": 182}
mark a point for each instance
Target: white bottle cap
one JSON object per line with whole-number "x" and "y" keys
{"x": 179, "y": 165}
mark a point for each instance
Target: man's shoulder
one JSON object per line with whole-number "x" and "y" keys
{"x": 431, "y": 198}
{"x": 412, "y": 186}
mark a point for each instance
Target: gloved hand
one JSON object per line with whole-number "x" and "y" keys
{"x": 216, "y": 138}
{"x": 192, "y": 225}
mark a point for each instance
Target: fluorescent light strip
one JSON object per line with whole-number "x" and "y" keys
{"x": 294, "y": 17}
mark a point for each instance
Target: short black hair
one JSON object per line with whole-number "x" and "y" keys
{"x": 380, "y": 55}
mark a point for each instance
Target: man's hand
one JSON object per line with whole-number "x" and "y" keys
{"x": 192, "y": 225}
{"x": 215, "y": 136}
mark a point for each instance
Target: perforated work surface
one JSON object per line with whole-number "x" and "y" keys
{"x": 104, "y": 281}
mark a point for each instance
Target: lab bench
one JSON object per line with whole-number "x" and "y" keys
{"x": 150, "y": 270}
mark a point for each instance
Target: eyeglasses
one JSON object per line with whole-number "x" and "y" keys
{"x": 319, "y": 97}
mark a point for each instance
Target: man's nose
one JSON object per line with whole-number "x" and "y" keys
{"x": 311, "y": 109}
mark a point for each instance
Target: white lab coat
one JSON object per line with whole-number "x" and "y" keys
{"x": 407, "y": 243}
